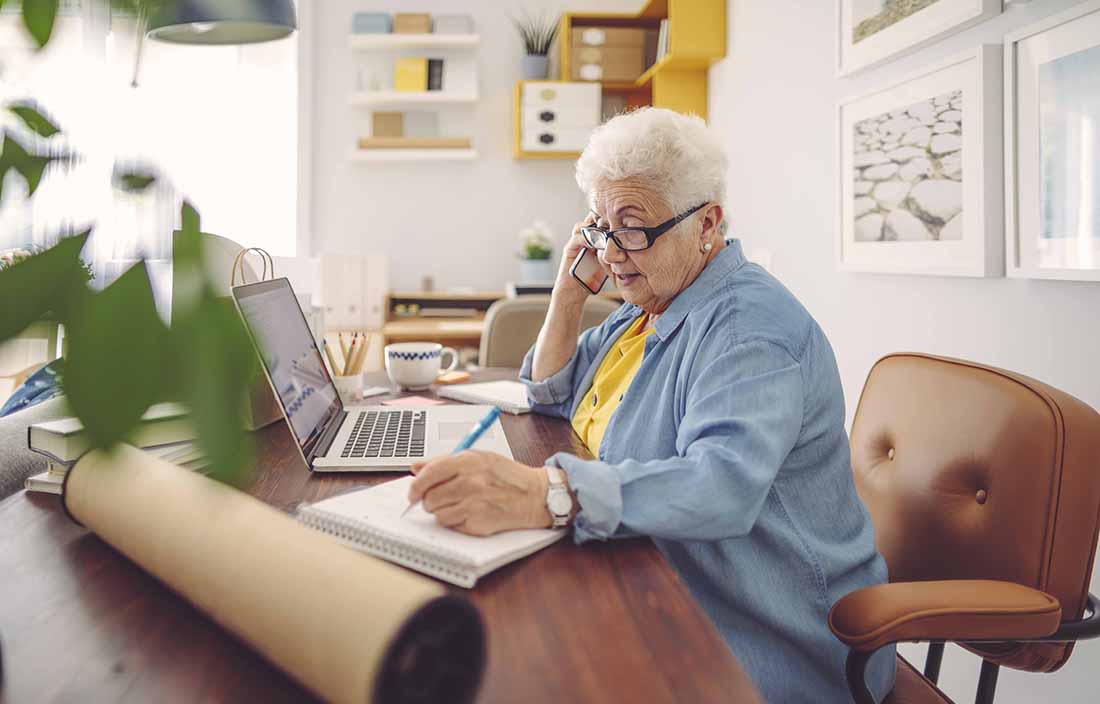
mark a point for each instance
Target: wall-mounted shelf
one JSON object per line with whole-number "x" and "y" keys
{"x": 395, "y": 42}
{"x": 399, "y": 99}
{"x": 696, "y": 39}
{"x": 379, "y": 155}
{"x": 378, "y": 59}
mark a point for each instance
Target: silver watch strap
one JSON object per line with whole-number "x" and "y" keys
{"x": 554, "y": 492}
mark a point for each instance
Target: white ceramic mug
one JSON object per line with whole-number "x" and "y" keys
{"x": 415, "y": 365}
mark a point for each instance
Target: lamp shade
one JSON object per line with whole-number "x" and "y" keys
{"x": 221, "y": 21}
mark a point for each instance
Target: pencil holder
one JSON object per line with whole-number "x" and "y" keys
{"x": 350, "y": 387}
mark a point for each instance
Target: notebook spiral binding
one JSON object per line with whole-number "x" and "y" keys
{"x": 439, "y": 562}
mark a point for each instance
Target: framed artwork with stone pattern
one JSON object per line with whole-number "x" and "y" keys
{"x": 872, "y": 31}
{"x": 1052, "y": 145}
{"x": 920, "y": 180}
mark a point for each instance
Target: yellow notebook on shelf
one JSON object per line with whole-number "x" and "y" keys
{"x": 410, "y": 75}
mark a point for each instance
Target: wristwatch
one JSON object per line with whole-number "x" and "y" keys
{"x": 558, "y": 500}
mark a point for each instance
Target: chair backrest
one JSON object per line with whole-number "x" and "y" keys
{"x": 972, "y": 472}
{"x": 512, "y": 324}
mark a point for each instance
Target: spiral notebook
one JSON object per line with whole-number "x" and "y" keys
{"x": 370, "y": 520}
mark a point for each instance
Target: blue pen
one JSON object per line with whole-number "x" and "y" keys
{"x": 468, "y": 441}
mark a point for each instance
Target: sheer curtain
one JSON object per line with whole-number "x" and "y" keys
{"x": 217, "y": 125}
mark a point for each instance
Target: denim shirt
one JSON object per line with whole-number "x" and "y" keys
{"x": 729, "y": 451}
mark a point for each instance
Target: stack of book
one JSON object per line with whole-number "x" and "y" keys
{"x": 411, "y": 23}
{"x": 165, "y": 431}
{"x": 413, "y": 74}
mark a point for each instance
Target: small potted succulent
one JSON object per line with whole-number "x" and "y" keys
{"x": 537, "y": 248}
{"x": 538, "y": 36}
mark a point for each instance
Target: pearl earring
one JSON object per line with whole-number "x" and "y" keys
{"x": 707, "y": 247}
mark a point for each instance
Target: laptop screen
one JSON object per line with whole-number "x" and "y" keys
{"x": 290, "y": 355}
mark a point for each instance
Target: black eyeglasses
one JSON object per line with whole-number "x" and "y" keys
{"x": 633, "y": 239}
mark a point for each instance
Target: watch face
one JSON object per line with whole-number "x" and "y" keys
{"x": 560, "y": 504}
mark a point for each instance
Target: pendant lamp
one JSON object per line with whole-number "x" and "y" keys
{"x": 221, "y": 21}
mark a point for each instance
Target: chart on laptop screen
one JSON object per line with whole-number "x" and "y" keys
{"x": 291, "y": 357}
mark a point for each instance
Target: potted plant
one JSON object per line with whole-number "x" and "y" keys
{"x": 535, "y": 264}
{"x": 538, "y": 35}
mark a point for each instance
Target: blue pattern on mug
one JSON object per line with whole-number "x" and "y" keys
{"x": 413, "y": 356}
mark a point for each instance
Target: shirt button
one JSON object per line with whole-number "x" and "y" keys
{"x": 621, "y": 397}
{"x": 593, "y": 399}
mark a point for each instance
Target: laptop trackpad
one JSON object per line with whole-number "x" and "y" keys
{"x": 456, "y": 431}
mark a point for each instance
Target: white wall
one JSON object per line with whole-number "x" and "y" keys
{"x": 774, "y": 98}
{"x": 457, "y": 222}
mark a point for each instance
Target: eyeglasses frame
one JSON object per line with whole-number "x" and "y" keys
{"x": 651, "y": 233}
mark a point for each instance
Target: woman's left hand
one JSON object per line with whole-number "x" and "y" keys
{"x": 481, "y": 493}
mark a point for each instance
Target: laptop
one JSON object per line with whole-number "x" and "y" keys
{"x": 333, "y": 437}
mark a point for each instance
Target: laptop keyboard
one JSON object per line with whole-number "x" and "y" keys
{"x": 387, "y": 434}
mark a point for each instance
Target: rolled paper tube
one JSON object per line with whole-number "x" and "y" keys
{"x": 349, "y": 627}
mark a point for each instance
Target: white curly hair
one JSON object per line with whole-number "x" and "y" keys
{"x": 677, "y": 155}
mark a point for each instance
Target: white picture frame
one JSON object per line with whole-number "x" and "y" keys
{"x": 1030, "y": 53}
{"x": 952, "y": 188}
{"x": 929, "y": 24}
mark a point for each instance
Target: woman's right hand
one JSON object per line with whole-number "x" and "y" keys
{"x": 566, "y": 283}
{"x": 557, "y": 339}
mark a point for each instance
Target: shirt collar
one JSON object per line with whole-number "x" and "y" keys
{"x": 703, "y": 288}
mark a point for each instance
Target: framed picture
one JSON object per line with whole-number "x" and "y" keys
{"x": 920, "y": 181}
{"x": 872, "y": 31}
{"x": 1052, "y": 147}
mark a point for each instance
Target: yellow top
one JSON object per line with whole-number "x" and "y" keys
{"x": 612, "y": 379}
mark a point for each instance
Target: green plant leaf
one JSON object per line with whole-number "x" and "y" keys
{"x": 136, "y": 182}
{"x": 189, "y": 218}
{"x": 118, "y": 357}
{"x": 39, "y": 16}
{"x": 34, "y": 119}
{"x": 216, "y": 360}
{"x": 53, "y": 280}
{"x": 31, "y": 166}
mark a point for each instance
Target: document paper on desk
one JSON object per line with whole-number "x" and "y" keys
{"x": 370, "y": 520}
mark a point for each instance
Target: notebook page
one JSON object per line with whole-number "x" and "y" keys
{"x": 380, "y": 507}
{"x": 512, "y": 394}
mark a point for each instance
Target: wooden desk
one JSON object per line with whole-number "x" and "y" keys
{"x": 603, "y": 622}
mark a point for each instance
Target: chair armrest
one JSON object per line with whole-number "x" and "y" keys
{"x": 950, "y": 610}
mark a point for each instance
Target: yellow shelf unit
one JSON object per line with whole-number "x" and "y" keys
{"x": 697, "y": 38}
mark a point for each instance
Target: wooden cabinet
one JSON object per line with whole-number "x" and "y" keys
{"x": 554, "y": 117}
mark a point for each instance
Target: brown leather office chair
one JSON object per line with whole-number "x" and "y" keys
{"x": 984, "y": 489}
{"x": 512, "y": 324}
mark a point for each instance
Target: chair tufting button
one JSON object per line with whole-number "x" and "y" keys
{"x": 890, "y": 454}
{"x": 980, "y": 497}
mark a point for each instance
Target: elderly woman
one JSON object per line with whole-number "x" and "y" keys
{"x": 712, "y": 403}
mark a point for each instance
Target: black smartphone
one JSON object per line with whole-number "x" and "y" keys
{"x": 587, "y": 270}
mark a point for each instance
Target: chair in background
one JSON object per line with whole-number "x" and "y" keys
{"x": 512, "y": 324}
{"x": 984, "y": 490}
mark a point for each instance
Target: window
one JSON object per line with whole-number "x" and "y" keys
{"x": 219, "y": 125}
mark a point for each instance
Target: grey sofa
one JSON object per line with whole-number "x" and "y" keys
{"x": 16, "y": 461}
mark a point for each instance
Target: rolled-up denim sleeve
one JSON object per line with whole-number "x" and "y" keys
{"x": 554, "y": 395}
{"x": 743, "y": 415}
